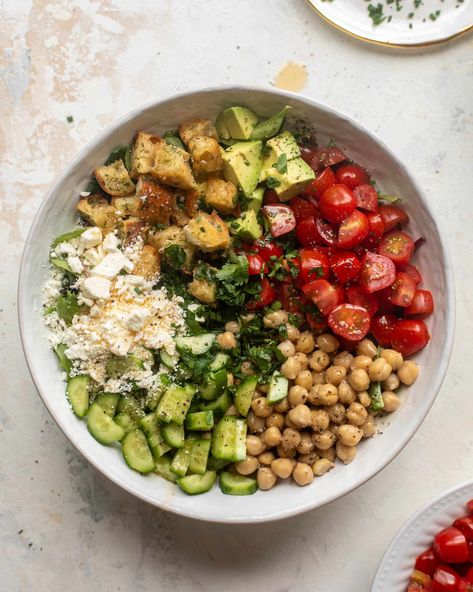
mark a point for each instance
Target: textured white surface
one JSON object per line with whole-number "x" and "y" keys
{"x": 64, "y": 526}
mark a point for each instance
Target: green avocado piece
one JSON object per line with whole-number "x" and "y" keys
{"x": 293, "y": 181}
{"x": 221, "y": 128}
{"x": 242, "y": 164}
{"x": 247, "y": 226}
{"x": 239, "y": 122}
{"x": 256, "y": 199}
{"x": 284, "y": 143}
{"x": 270, "y": 127}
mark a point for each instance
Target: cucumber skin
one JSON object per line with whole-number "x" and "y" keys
{"x": 173, "y": 435}
{"x": 278, "y": 388}
{"x": 237, "y": 484}
{"x": 108, "y": 402}
{"x": 197, "y": 344}
{"x": 229, "y": 439}
{"x": 201, "y": 421}
{"x": 77, "y": 391}
{"x": 196, "y": 484}
{"x": 199, "y": 453}
{"x": 112, "y": 431}
{"x": 174, "y": 404}
{"x": 244, "y": 395}
{"x": 163, "y": 469}
{"x": 129, "y": 443}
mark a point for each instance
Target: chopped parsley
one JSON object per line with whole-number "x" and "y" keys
{"x": 281, "y": 164}
{"x": 175, "y": 255}
{"x": 376, "y": 13}
{"x": 69, "y": 119}
{"x": 272, "y": 182}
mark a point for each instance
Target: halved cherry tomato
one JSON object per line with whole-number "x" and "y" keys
{"x": 280, "y": 218}
{"x": 327, "y": 232}
{"x": 308, "y": 234}
{"x": 337, "y": 203}
{"x": 366, "y": 198}
{"x": 324, "y": 157}
{"x": 401, "y": 291}
{"x": 470, "y": 551}
{"x": 427, "y": 562}
{"x": 341, "y": 292}
{"x": 445, "y": 579}
{"x": 308, "y": 151}
{"x": 352, "y": 175}
{"x": 465, "y": 524}
{"x": 314, "y": 264}
{"x": 375, "y": 231}
{"x": 469, "y": 505}
{"x": 270, "y": 197}
{"x": 422, "y": 304}
{"x": 322, "y": 181}
{"x": 382, "y": 327}
{"x": 345, "y": 266}
{"x": 349, "y": 321}
{"x": 419, "y": 582}
{"x": 377, "y": 272}
{"x": 302, "y": 208}
{"x": 353, "y": 230}
{"x": 316, "y": 321}
{"x": 469, "y": 575}
{"x": 398, "y": 246}
{"x": 465, "y": 586}
{"x": 255, "y": 264}
{"x": 266, "y": 297}
{"x": 409, "y": 336}
{"x": 413, "y": 272}
{"x": 392, "y": 216}
{"x": 322, "y": 293}
{"x": 355, "y": 295}
{"x": 291, "y": 298}
{"x": 267, "y": 249}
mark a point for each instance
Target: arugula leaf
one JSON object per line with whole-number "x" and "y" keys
{"x": 67, "y": 236}
{"x": 117, "y": 153}
{"x": 173, "y": 139}
{"x": 175, "y": 255}
{"x": 67, "y": 306}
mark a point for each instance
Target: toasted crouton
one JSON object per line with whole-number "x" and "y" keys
{"x": 197, "y": 127}
{"x": 221, "y": 195}
{"x": 147, "y": 265}
{"x": 114, "y": 179}
{"x": 171, "y": 166}
{"x": 155, "y": 201}
{"x": 208, "y": 232}
{"x": 173, "y": 235}
{"x": 203, "y": 290}
{"x": 206, "y": 155}
{"x": 179, "y": 214}
{"x": 126, "y": 206}
{"x": 191, "y": 201}
{"x": 97, "y": 211}
{"x": 130, "y": 228}
{"x": 143, "y": 154}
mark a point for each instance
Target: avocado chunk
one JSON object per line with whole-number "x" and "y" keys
{"x": 221, "y": 128}
{"x": 247, "y": 226}
{"x": 270, "y": 127}
{"x": 293, "y": 181}
{"x": 239, "y": 122}
{"x": 256, "y": 200}
{"x": 284, "y": 143}
{"x": 242, "y": 164}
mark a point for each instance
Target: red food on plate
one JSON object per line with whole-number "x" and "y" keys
{"x": 266, "y": 297}
{"x": 314, "y": 264}
{"x": 398, "y": 246}
{"x": 352, "y": 175}
{"x": 401, "y": 291}
{"x": 445, "y": 579}
{"x": 366, "y": 198}
{"x": 451, "y": 546}
{"x": 337, "y": 203}
{"x": 302, "y": 208}
{"x": 392, "y": 216}
{"x": 413, "y": 272}
{"x": 355, "y": 295}
{"x": 422, "y": 304}
{"x": 345, "y": 266}
{"x": 267, "y": 249}
{"x": 308, "y": 234}
{"x": 382, "y": 327}
{"x": 255, "y": 264}
{"x": 353, "y": 230}
{"x": 377, "y": 272}
{"x": 322, "y": 181}
{"x": 409, "y": 336}
{"x": 324, "y": 294}
{"x": 324, "y": 157}
{"x": 280, "y": 218}
{"x": 349, "y": 321}
{"x": 427, "y": 562}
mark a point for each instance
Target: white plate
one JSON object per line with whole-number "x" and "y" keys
{"x": 417, "y": 535}
{"x": 408, "y": 27}
{"x": 57, "y": 214}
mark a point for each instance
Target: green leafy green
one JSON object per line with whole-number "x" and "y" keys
{"x": 64, "y": 361}
{"x": 175, "y": 255}
{"x": 67, "y": 306}
{"x": 377, "y": 402}
{"x": 117, "y": 153}
{"x": 272, "y": 182}
{"x": 67, "y": 236}
{"x": 232, "y": 278}
{"x": 61, "y": 264}
{"x": 173, "y": 139}
{"x": 281, "y": 164}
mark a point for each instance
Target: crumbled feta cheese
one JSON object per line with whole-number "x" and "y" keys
{"x": 65, "y": 248}
{"x": 84, "y": 193}
{"x": 91, "y": 237}
{"x": 96, "y": 288}
{"x": 93, "y": 256}
{"x": 110, "y": 243}
{"x": 111, "y": 265}
{"x": 75, "y": 264}
{"x": 136, "y": 319}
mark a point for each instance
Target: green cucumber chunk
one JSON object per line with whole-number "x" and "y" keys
{"x": 219, "y": 406}
{"x": 231, "y": 484}
{"x": 168, "y": 360}
{"x": 78, "y": 394}
{"x": 137, "y": 453}
{"x": 217, "y": 464}
{"x": 149, "y": 425}
{"x": 221, "y": 361}
{"x": 175, "y": 403}
{"x": 196, "y": 344}
{"x": 108, "y": 402}
{"x": 163, "y": 468}
{"x": 173, "y": 435}
{"x": 244, "y": 394}
{"x": 199, "y": 456}
{"x": 182, "y": 458}
{"x": 117, "y": 366}
{"x": 129, "y": 413}
{"x": 200, "y": 421}
{"x": 270, "y": 127}
{"x": 278, "y": 388}
{"x": 213, "y": 385}
{"x": 64, "y": 361}
{"x": 229, "y": 439}
{"x": 195, "y": 484}
{"x": 102, "y": 427}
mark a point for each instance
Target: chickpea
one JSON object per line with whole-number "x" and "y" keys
{"x": 290, "y": 439}
{"x": 305, "y": 343}
{"x": 319, "y": 378}
{"x": 305, "y": 445}
{"x": 285, "y": 453}
{"x": 364, "y": 398}
{"x": 368, "y": 428}
{"x": 391, "y": 383}
{"x": 292, "y": 332}
{"x": 304, "y": 379}
{"x": 336, "y": 413}
{"x": 255, "y": 424}
{"x": 379, "y": 370}
{"x": 319, "y": 420}
{"x": 232, "y": 410}
{"x": 247, "y": 318}
{"x": 327, "y": 343}
{"x": 232, "y": 326}
{"x": 344, "y": 359}
{"x": 329, "y": 454}
{"x": 345, "y": 453}
{"x": 303, "y": 474}
{"x": 272, "y": 437}
{"x": 247, "y": 368}
{"x": 362, "y": 362}
{"x": 393, "y": 358}
{"x": 322, "y": 466}
{"x": 282, "y": 467}
{"x": 349, "y": 435}
{"x": 303, "y": 360}
{"x": 261, "y": 407}
{"x": 356, "y": 414}
{"x": 263, "y": 388}
{"x": 288, "y": 423}
{"x": 391, "y": 401}
{"x": 346, "y": 395}
{"x": 275, "y": 420}
{"x": 333, "y": 427}
{"x": 287, "y": 348}
{"x": 254, "y": 445}
{"x": 282, "y": 406}
{"x": 297, "y": 395}
{"x": 265, "y": 478}
{"x": 366, "y": 348}
{"x": 291, "y": 368}
{"x": 275, "y": 318}
{"x": 359, "y": 379}
{"x": 247, "y": 466}
{"x": 226, "y": 340}
{"x": 319, "y": 360}
{"x": 335, "y": 374}
{"x": 324, "y": 440}
{"x": 327, "y": 394}
{"x": 408, "y": 372}
{"x": 308, "y": 458}
{"x": 266, "y": 458}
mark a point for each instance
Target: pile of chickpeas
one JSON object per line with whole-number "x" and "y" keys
{"x": 326, "y": 413}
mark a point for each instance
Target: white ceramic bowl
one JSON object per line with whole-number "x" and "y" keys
{"x": 57, "y": 214}
{"x": 417, "y": 535}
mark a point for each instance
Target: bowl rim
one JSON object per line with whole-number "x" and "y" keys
{"x": 115, "y": 126}
{"x": 413, "y": 518}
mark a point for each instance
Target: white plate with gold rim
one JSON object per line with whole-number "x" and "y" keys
{"x": 398, "y": 23}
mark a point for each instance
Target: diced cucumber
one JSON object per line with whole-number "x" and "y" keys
{"x": 200, "y": 421}
{"x": 229, "y": 439}
{"x": 219, "y": 406}
{"x": 240, "y": 440}
{"x": 244, "y": 394}
{"x": 173, "y": 435}
{"x": 163, "y": 468}
{"x": 154, "y": 397}
{"x": 237, "y": 484}
{"x": 64, "y": 361}
{"x": 129, "y": 413}
{"x": 199, "y": 456}
{"x": 195, "y": 484}
{"x": 108, "y": 402}
{"x": 78, "y": 394}
{"x": 217, "y": 464}
{"x": 196, "y": 344}
{"x": 278, "y": 388}
{"x": 102, "y": 427}
{"x": 117, "y": 366}
{"x": 168, "y": 360}
{"x": 175, "y": 403}
{"x": 221, "y": 360}
{"x": 213, "y": 385}
{"x": 182, "y": 458}
{"x": 150, "y": 426}
{"x": 137, "y": 453}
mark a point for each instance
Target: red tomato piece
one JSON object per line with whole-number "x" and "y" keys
{"x": 353, "y": 230}
{"x": 401, "y": 291}
{"x": 314, "y": 264}
{"x": 324, "y": 157}
{"x": 266, "y": 297}
{"x": 469, "y": 505}
{"x": 409, "y": 336}
{"x": 336, "y": 203}
{"x": 377, "y": 272}
{"x": 255, "y": 264}
{"x": 392, "y": 216}
{"x": 470, "y": 551}
{"x": 302, "y": 208}
{"x": 349, "y": 321}
{"x": 422, "y": 304}
{"x": 316, "y": 321}
{"x": 469, "y": 575}
{"x": 341, "y": 292}
{"x": 414, "y": 273}
{"x": 375, "y": 231}
{"x": 366, "y": 198}
{"x": 445, "y": 579}
{"x": 308, "y": 151}
{"x": 267, "y": 249}
{"x": 398, "y": 246}
{"x": 382, "y": 327}
{"x": 427, "y": 562}
{"x": 465, "y": 524}
{"x": 270, "y": 197}
{"x": 465, "y": 586}
{"x": 323, "y": 180}
{"x": 419, "y": 582}
{"x": 352, "y": 175}
{"x": 280, "y": 218}
{"x": 355, "y": 295}
{"x": 327, "y": 232}
{"x": 307, "y": 233}
{"x": 291, "y": 298}
{"x": 322, "y": 293}
{"x": 345, "y": 266}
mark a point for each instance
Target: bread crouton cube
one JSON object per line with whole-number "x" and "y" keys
{"x": 130, "y": 229}
{"x": 221, "y": 195}
{"x": 208, "y": 232}
{"x": 204, "y": 291}
{"x": 147, "y": 265}
{"x": 96, "y": 210}
{"x": 171, "y": 166}
{"x": 143, "y": 154}
{"x": 126, "y": 206}
{"x": 206, "y": 155}
{"x": 155, "y": 201}
{"x": 197, "y": 127}
{"x": 114, "y": 179}
{"x": 173, "y": 235}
